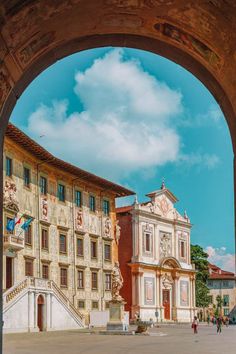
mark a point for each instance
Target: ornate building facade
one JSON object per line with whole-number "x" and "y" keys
{"x": 154, "y": 256}
{"x": 222, "y": 284}
{"x": 59, "y": 268}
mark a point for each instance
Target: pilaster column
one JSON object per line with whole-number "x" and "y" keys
{"x": 155, "y": 243}
{"x": 175, "y": 296}
{"x": 160, "y": 296}
{"x": 140, "y": 290}
{"x": 31, "y": 312}
{"x": 193, "y": 292}
{"x": 48, "y": 312}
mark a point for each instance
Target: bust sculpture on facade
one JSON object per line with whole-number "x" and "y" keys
{"x": 117, "y": 282}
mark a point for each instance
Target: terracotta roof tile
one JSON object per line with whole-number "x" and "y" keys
{"x": 124, "y": 209}
{"x": 43, "y": 155}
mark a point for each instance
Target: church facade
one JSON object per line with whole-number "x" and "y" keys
{"x": 154, "y": 256}
{"x": 60, "y": 239}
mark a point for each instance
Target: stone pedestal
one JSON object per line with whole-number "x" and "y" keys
{"x": 116, "y": 321}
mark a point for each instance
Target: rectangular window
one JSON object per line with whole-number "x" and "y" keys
{"x": 78, "y": 199}
{"x": 225, "y": 283}
{"x": 107, "y": 305}
{"x": 8, "y": 167}
{"x": 43, "y": 185}
{"x": 182, "y": 249}
{"x": 107, "y": 252}
{"x": 80, "y": 279}
{"x": 61, "y": 192}
{"x": 94, "y": 280}
{"x": 94, "y": 305}
{"x": 29, "y": 268}
{"x": 210, "y": 283}
{"x": 147, "y": 242}
{"x": 106, "y": 207}
{"x": 226, "y": 312}
{"x": 81, "y": 304}
{"x": 62, "y": 245}
{"x": 28, "y": 235}
{"x": 107, "y": 281}
{"x": 80, "y": 247}
{"x": 225, "y": 300}
{"x": 26, "y": 177}
{"x": 8, "y": 220}
{"x": 63, "y": 277}
{"x": 45, "y": 271}
{"x": 92, "y": 203}
{"x": 93, "y": 249}
{"x": 44, "y": 239}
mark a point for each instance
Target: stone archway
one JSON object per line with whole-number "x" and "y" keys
{"x": 198, "y": 35}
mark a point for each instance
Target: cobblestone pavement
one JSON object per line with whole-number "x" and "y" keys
{"x": 177, "y": 339}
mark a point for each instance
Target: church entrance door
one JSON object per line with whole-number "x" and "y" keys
{"x": 166, "y": 304}
{"x": 40, "y": 312}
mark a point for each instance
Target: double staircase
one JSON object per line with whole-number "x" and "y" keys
{"x": 25, "y": 294}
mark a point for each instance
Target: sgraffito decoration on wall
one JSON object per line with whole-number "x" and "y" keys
{"x": 149, "y": 291}
{"x": 191, "y": 43}
{"x": 184, "y": 293}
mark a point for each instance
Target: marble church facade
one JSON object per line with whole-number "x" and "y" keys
{"x": 64, "y": 260}
{"x": 154, "y": 256}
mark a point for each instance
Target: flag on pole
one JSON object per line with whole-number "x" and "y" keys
{"x": 17, "y": 221}
{"x": 10, "y": 225}
{"x": 26, "y": 224}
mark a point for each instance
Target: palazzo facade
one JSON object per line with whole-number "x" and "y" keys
{"x": 59, "y": 268}
{"x": 154, "y": 256}
{"x": 222, "y": 283}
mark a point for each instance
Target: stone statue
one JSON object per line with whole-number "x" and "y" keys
{"x": 117, "y": 282}
{"x": 117, "y": 234}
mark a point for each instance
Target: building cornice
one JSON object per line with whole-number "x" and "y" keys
{"x": 159, "y": 218}
{"x": 138, "y": 266}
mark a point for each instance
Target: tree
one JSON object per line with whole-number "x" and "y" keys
{"x": 199, "y": 259}
{"x": 219, "y": 301}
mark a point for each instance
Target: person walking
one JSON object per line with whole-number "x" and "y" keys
{"x": 219, "y": 324}
{"x": 208, "y": 319}
{"x": 195, "y": 325}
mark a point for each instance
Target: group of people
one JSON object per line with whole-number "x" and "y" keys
{"x": 218, "y": 321}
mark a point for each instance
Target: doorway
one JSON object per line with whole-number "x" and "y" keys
{"x": 166, "y": 304}
{"x": 9, "y": 272}
{"x": 40, "y": 304}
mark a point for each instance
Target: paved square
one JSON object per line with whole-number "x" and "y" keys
{"x": 177, "y": 339}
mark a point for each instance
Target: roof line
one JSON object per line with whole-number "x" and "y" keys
{"x": 43, "y": 155}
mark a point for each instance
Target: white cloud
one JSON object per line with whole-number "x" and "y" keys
{"x": 208, "y": 161}
{"x": 221, "y": 258}
{"x": 128, "y": 122}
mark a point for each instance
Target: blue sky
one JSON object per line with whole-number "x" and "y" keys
{"x": 135, "y": 117}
